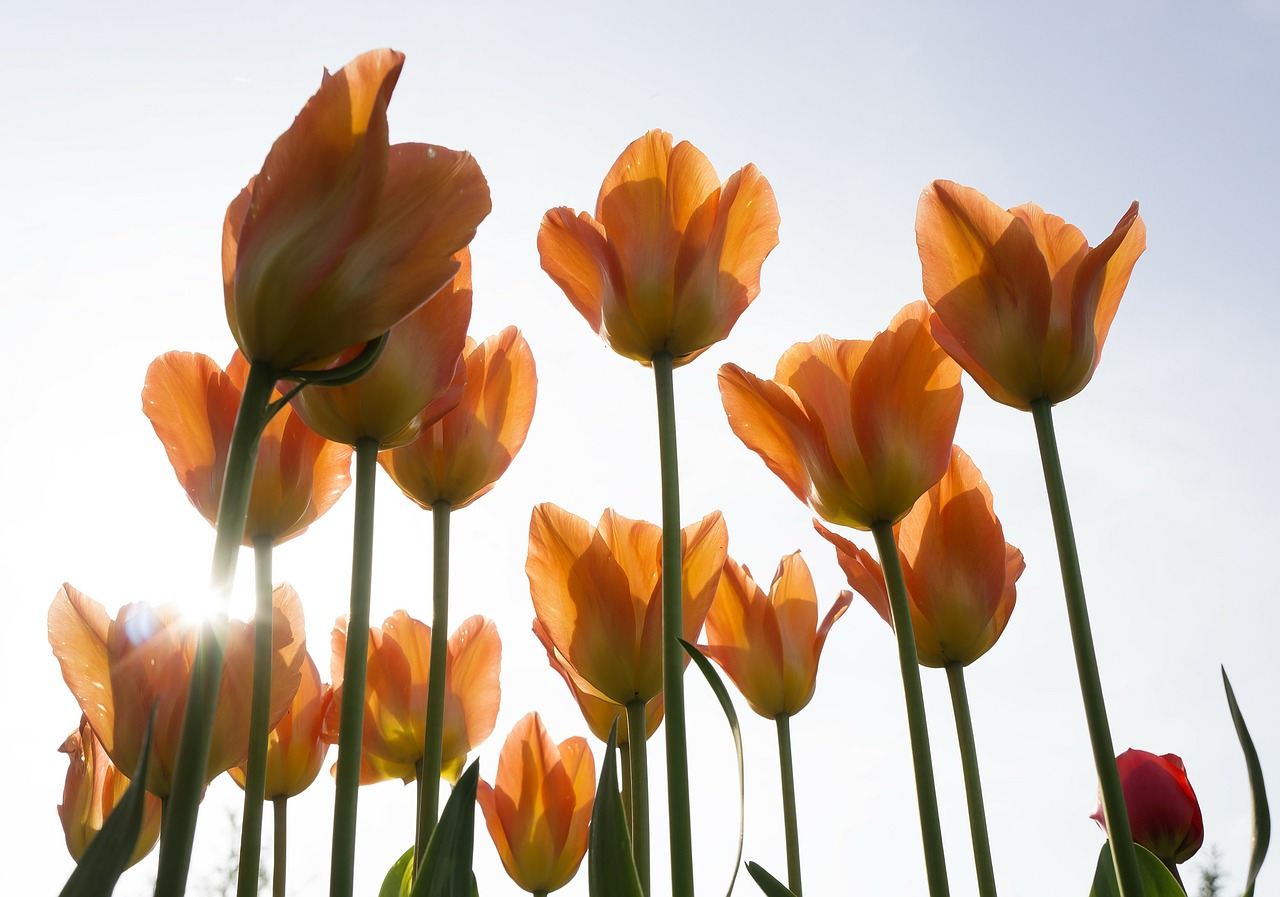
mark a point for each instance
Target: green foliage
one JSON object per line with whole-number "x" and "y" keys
{"x": 611, "y": 870}
{"x": 446, "y": 868}
{"x": 1157, "y": 881}
{"x": 770, "y": 885}
{"x": 1261, "y": 811}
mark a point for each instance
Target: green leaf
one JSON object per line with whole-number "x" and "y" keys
{"x": 399, "y": 880}
{"x": 1261, "y": 812}
{"x": 770, "y": 885}
{"x": 611, "y": 870}
{"x": 1157, "y": 881}
{"x": 107, "y": 855}
{"x": 446, "y": 868}
{"x": 726, "y": 704}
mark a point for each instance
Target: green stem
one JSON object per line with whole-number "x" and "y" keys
{"x": 429, "y": 790}
{"x": 1095, "y": 710}
{"x": 972, "y": 781}
{"x": 206, "y": 673}
{"x": 255, "y": 778}
{"x": 789, "y": 819}
{"x": 926, "y": 793}
{"x": 624, "y": 783}
{"x": 351, "y": 721}
{"x": 639, "y": 792}
{"x": 281, "y": 807}
{"x": 672, "y": 629}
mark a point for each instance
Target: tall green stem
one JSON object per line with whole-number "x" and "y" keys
{"x": 259, "y": 723}
{"x": 935, "y": 862}
{"x": 281, "y": 807}
{"x": 206, "y": 673}
{"x": 624, "y": 783}
{"x": 429, "y": 786}
{"x": 1104, "y": 756}
{"x": 972, "y": 781}
{"x": 639, "y": 792}
{"x": 790, "y": 820}
{"x": 672, "y": 628}
{"x": 351, "y": 723}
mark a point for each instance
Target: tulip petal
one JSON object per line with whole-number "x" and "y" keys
{"x": 78, "y": 628}
{"x": 575, "y": 254}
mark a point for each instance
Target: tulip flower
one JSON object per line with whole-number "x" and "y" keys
{"x": 417, "y": 378}
{"x": 672, "y": 257}
{"x": 856, "y": 429}
{"x": 296, "y": 746}
{"x": 960, "y": 573}
{"x": 93, "y": 788}
{"x": 770, "y": 644}
{"x": 1163, "y": 811}
{"x": 596, "y": 593}
{"x": 458, "y": 458}
{"x": 600, "y": 713}
{"x": 539, "y": 806}
{"x": 396, "y": 694}
{"x": 341, "y": 235}
{"x": 192, "y": 405}
{"x": 119, "y": 669}
{"x": 1020, "y": 299}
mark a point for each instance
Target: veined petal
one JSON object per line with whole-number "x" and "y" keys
{"x": 704, "y": 547}
{"x": 861, "y": 570}
{"x": 472, "y": 691}
{"x": 78, "y": 628}
{"x": 743, "y": 638}
{"x": 575, "y": 254}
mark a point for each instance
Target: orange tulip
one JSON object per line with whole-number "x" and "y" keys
{"x": 1020, "y": 300}
{"x": 296, "y": 746}
{"x": 539, "y": 808}
{"x": 960, "y": 573}
{"x": 118, "y": 669}
{"x": 395, "y": 707}
{"x": 672, "y": 257}
{"x": 94, "y": 786}
{"x": 600, "y": 713}
{"x": 770, "y": 644}
{"x": 598, "y": 593}
{"x": 858, "y": 430}
{"x": 340, "y": 235}
{"x": 417, "y": 378}
{"x": 460, "y": 457}
{"x": 192, "y": 404}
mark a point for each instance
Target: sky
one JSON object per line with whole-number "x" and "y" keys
{"x": 129, "y": 129}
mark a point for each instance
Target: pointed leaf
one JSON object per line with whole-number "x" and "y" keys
{"x": 611, "y": 870}
{"x": 1157, "y": 881}
{"x": 399, "y": 880}
{"x": 770, "y": 885}
{"x": 446, "y": 868}
{"x": 731, "y": 715}
{"x": 1261, "y": 811}
{"x": 107, "y": 855}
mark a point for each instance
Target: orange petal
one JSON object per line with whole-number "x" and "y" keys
{"x": 78, "y": 635}
{"x": 472, "y": 691}
{"x": 575, "y": 254}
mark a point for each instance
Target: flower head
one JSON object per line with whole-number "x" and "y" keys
{"x": 119, "y": 669}
{"x": 539, "y": 806}
{"x": 672, "y": 257}
{"x": 395, "y": 704}
{"x": 960, "y": 573}
{"x": 1163, "y": 811}
{"x": 458, "y": 458}
{"x": 770, "y": 644}
{"x": 857, "y": 429}
{"x": 192, "y": 405}
{"x": 597, "y": 591}
{"x": 1020, "y": 299}
{"x": 296, "y": 746}
{"x": 93, "y": 788}
{"x": 341, "y": 235}
{"x": 417, "y": 378}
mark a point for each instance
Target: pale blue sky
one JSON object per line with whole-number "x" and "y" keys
{"x": 129, "y": 129}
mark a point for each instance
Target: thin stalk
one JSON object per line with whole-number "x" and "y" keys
{"x": 206, "y": 672}
{"x": 429, "y": 779}
{"x": 935, "y": 861}
{"x": 624, "y": 783}
{"x": 255, "y": 777}
{"x": 972, "y": 781}
{"x": 281, "y": 807}
{"x": 351, "y": 723}
{"x": 678, "y": 809}
{"x": 639, "y": 793}
{"x": 789, "y": 819}
{"x": 1095, "y": 710}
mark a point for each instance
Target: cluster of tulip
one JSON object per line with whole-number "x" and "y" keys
{"x": 348, "y": 291}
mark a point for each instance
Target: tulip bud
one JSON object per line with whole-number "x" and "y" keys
{"x": 1163, "y": 811}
